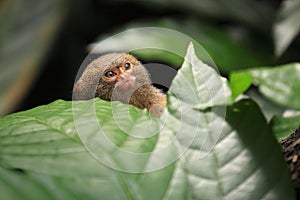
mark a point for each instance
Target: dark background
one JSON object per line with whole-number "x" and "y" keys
{"x": 85, "y": 21}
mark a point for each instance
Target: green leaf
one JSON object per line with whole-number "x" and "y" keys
{"x": 108, "y": 150}
{"x": 224, "y": 152}
{"x": 255, "y": 136}
{"x": 239, "y": 83}
{"x": 117, "y": 136}
{"x": 150, "y": 42}
{"x": 280, "y": 84}
{"x": 15, "y": 185}
{"x": 287, "y": 25}
{"x": 284, "y": 126}
{"x": 20, "y": 185}
{"x": 199, "y": 84}
{"x": 268, "y": 108}
{"x": 45, "y": 142}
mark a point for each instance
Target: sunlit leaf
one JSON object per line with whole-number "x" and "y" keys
{"x": 226, "y": 152}
{"x": 280, "y": 84}
{"x": 285, "y": 126}
{"x": 239, "y": 83}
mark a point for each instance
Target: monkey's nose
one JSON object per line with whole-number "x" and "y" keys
{"x": 123, "y": 76}
{"x": 127, "y": 76}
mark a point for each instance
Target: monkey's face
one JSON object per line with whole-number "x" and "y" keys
{"x": 121, "y": 78}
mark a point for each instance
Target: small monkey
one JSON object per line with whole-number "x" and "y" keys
{"x": 120, "y": 77}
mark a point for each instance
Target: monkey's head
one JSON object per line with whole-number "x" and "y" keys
{"x": 113, "y": 76}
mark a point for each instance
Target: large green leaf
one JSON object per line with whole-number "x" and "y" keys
{"x": 256, "y": 138}
{"x": 225, "y": 154}
{"x": 201, "y": 152}
{"x": 16, "y": 185}
{"x": 280, "y": 84}
{"x": 27, "y": 187}
{"x": 287, "y": 25}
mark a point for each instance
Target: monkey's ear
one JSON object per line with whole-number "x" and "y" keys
{"x": 77, "y": 90}
{"x": 84, "y": 90}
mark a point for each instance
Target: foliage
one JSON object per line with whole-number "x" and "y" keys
{"x": 206, "y": 150}
{"x": 237, "y": 38}
{"x": 280, "y": 84}
{"x": 217, "y": 138}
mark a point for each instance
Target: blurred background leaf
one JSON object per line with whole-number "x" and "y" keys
{"x": 256, "y": 14}
{"x": 287, "y": 25}
{"x": 229, "y": 48}
{"x": 27, "y": 31}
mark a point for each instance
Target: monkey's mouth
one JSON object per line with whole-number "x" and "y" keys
{"x": 125, "y": 85}
{"x": 128, "y": 85}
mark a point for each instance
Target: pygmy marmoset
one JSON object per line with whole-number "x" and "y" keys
{"x": 120, "y": 77}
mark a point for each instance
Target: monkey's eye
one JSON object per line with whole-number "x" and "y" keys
{"x": 110, "y": 74}
{"x": 127, "y": 66}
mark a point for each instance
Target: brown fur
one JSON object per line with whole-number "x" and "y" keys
{"x": 93, "y": 83}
